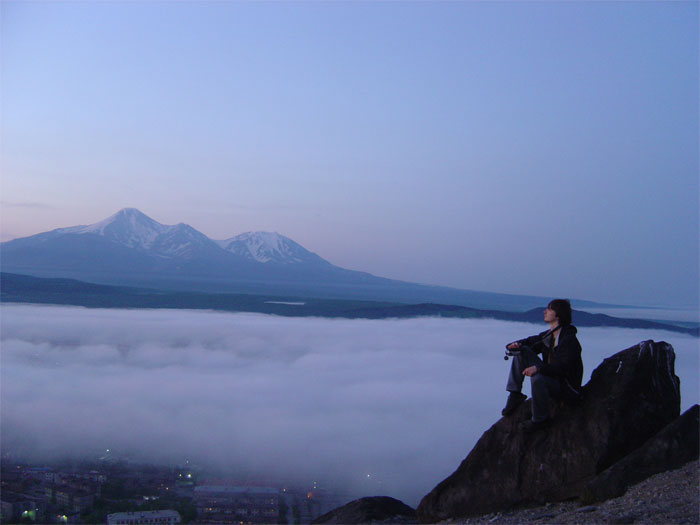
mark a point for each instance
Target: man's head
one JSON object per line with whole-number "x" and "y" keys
{"x": 561, "y": 307}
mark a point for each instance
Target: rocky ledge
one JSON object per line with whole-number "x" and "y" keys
{"x": 632, "y": 396}
{"x": 667, "y": 498}
{"x": 622, "y": 444}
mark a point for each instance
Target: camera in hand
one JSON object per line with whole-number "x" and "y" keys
{"x": 513, "y": 352}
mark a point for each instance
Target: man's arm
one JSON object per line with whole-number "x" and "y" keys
{"x": 528, "y": 341}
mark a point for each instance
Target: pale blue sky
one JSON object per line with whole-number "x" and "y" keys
{"x": 539, "y": 148}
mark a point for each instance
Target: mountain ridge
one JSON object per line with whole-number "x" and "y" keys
{"x": 134, "y": 229}
{"x": 16, "y": 288}
{"x": 143, "y": 248}
{"x": 130, "y": 248}
{"x": 269, "y": 247}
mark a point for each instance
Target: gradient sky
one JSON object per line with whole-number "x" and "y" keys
{"x": 538, "y": 148}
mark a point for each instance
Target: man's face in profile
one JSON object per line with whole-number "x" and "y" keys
{"x": 550, "y": 315}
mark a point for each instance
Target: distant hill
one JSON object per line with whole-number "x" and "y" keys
{"x": 129, "y": 248}
{"x": 15, "y": 288}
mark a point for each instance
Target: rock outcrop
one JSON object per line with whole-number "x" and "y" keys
{"x": 631, "y": 396}
{"x": 379, "y": 509}
{"x": 673, "y": 447}
{"x": 662, "y": 499}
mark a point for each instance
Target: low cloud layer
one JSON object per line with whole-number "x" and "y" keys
{"x": 369, "y": 407}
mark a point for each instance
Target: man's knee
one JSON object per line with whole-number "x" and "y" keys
{"x": 544, "y": 385}
{"x": 539, "y": 383}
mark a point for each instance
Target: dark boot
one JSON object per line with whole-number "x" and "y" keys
{"x": 514, "y": 400}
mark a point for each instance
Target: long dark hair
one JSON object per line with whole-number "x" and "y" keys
{"x": 562, "y": 307}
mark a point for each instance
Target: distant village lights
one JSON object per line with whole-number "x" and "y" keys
{"x": 66, "y": 496}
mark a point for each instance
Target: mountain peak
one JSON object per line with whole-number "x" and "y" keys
{"x": 131, "y": 212}
{"x": 128, "y": 226}
{"x": 133, "y": 216}
{"x": 268, "y": 247}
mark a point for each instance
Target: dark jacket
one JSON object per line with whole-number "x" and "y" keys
{"x": 565, "y": 359}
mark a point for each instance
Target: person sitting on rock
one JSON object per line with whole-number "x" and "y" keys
{"x": 557, "y": 374}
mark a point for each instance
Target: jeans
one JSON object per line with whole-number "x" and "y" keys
{"x": 543, "y": 387}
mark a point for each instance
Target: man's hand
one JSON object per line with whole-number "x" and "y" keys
{"x": 513, "y": 346}
{"x": 530, "y": 371}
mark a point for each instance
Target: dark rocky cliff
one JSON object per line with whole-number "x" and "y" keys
{"x": 677, "y": 444}
{"x": 631, "y": 396}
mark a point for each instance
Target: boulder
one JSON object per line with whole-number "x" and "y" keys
{"x": 677, "y": 444}
{"x": 380, "y": 509}
{"x": 631, "y": 396}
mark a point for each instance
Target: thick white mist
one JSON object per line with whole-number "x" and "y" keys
{"x": 366, "y": 407}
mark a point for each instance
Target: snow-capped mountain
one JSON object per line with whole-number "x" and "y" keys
{"x": 133, "y": 229}
{"x": 131, "y": 247}
{"x": 182, "y": 240}
{"x": 268, "y": 248}
{"x": 129, "y": 227}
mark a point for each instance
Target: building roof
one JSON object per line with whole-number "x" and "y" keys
{"x": 144, "y": 514}
{"x": 235, "y": 489}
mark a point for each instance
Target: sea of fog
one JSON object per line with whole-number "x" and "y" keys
{"x": 685, "y": 315}
{"x": 388, "y": 407}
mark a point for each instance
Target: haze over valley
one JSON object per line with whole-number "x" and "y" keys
{"x": 364, "y": 407}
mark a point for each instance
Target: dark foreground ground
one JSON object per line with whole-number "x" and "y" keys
{"x": 668, "y": 498}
